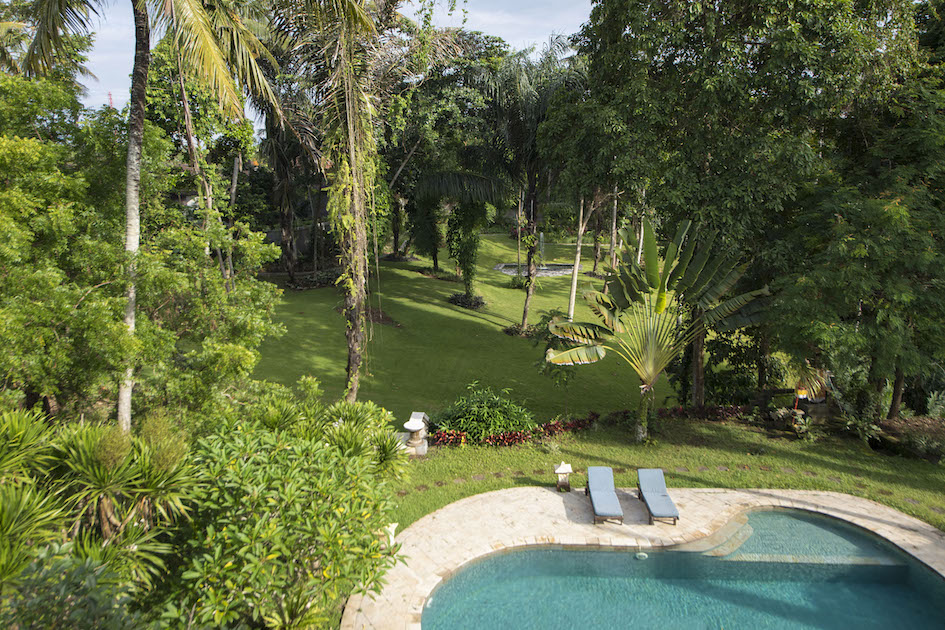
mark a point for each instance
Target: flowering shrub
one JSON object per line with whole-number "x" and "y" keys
{"x": 448, "y": 438}
{"x": 514, "y": 438}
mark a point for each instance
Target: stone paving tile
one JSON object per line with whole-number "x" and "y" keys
{"x": 703, "y": 469}
{"x": 478, "y": 477}
{"x": 937, "y": 509}
{"x": 884, "y": 492}
{"x": 422, "y": 488}
{"x": 440, "y": 543}
{"x": 459, "y": 480}
{"x": 808, "y": 473}
{"x": 765, "y": 468}
{"x": 401, "y": 493}
{"x": 539, "y": 471}
{"x": 745, "y": 467}
{"x": 911, "y": 500}
{"x": 682, "y": 469}
{"x": 722, "y": 468}
{"x": 498, "y": 475}
{"x": 787, "y": 470}
{"x": 835, "y": 479}
{"x": 519, "y": 473}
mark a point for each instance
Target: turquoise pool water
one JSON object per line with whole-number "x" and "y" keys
{"x": 792, "y": 570}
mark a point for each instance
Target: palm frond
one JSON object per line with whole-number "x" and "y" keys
{"x": 55, "y": 20}
{"x": 579, "y": 332}
{"x": 581, "y": 355}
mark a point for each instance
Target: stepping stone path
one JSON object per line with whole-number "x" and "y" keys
{"x": 723, "y": 468}
{"x": 478, "y": 477}
{"x": 860, "y": 485}
{"x": 703, "y": 469}
{"x": 401, "y": 493}
{"x": 910, "y": 500}
{"x": 439, "y": 484}
{"x": 787, "y": 470}
{"x": 835, "y": 479}
{"x": 538, "y": 471}
{"x": 810, "y": 474}
{"x": 682, "y": 469}
{"x": 422, "y": 488}
{"x": 620, "y": 470}
{"x": 765, "y": 468}
{"x": 459, "y": 480}
{"x": 519, "y": 473}
{"x": 885, "y": 493}
{"x": 498, "y": 475}
{"x": 745, "y": 467}
{"x": 937, "y": 509}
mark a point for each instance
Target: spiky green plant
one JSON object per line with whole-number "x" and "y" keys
{"x": 638, "y": 319}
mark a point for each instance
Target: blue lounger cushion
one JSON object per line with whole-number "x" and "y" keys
{"x": 652, "y": 487}
{"x": 600, "y": 485}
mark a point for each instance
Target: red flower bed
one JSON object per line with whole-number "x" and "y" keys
{"x": 448, "y": 438}
{"x": 509, "y": 438}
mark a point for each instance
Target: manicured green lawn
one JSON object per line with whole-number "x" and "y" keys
{"x": 437, "y": 349}
{"x": 836, "y": 463}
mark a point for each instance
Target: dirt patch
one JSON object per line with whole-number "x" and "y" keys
{"x": 376, "y": 316}
{"x": 934, "y": 428}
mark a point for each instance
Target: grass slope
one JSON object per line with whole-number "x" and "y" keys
{"x": 438, "y": 348}
{"x": 715, "y": 455}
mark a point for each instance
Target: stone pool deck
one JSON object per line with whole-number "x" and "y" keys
{"x": 440, "y": 543}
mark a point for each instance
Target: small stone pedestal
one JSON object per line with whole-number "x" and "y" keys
{"x": 564, "y": 482}
{"x": 417, "y": 427}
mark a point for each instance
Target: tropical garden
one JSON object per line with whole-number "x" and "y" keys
{"x": 220, "y": 303}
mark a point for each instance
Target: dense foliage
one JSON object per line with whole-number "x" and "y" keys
{"x": 482, "y": 412}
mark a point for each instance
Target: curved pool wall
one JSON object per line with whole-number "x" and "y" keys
{"x": 444, "y": 542}
{"x": 773, "y": 569}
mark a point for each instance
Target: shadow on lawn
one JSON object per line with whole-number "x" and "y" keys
{"x": 835, "y": 454}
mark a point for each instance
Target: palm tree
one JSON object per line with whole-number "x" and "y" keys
{"x": 524, "y": 88}
{"x": 198, "y": 31}
{"x": 638, "y": 320}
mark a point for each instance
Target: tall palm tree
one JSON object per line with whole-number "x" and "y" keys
{"x": 524, "y": 87}
{"x": 212, "y": 59}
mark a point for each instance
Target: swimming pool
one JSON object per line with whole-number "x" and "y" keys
{"x": 775, "y": 569}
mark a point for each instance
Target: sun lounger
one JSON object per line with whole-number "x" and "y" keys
{"x": 600, "y": 486}
{"x": 653, "y": 493}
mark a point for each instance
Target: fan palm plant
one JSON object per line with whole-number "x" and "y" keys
{"x": 638, "y": 319}
{"x": 213, "y": 42}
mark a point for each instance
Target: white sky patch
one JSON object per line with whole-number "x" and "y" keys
{"x": 521, "y": 23}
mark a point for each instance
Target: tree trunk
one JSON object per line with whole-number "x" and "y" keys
{"x": 530, "y": 202}
{"x": 287, "y": 224}
{"x": 597, "y": 230}
{"x": 398, "y": 209}
{"x": 577, "y": 260}
{"x": 762, "y": 362}
{"x": 898, "y": 386}
{"x": 139, "y": 83}
{"x": 518, "y": 229}
{"x": 354, "y": 239}
{"x": 613, "y": 232}
{"x": 698, "y": 368}
{"x": 234, "y": 180}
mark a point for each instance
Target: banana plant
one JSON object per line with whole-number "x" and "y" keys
{"x": 641, "y": 315}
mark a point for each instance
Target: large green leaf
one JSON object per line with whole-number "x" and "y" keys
{"x": 683, "y": 263}
{"x": 651, "y": 256}
{"x": 606, "y": 309}
{"x": 580, "y": 355}
{"x": 697, "y": 265}
{"x": 578, "y": 332}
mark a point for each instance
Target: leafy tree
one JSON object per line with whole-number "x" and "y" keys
{"x": 723, "y": 104}
{"x": 200, "y": 38}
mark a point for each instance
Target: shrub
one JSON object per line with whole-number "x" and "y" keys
{"x": 483, "y": 412}
{"x": 60, "y": 590}
{"x": 286, "y": 526}
{"x": 936, "y": 405}
{"x": 473, "y": 302}
{"x": 509, "y": 438}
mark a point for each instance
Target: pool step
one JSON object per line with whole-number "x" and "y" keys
{"x": 875, "y": 561}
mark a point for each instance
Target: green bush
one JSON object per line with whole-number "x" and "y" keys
{"x": 286, "y": 527}
{"x": 60, "y": 590}
{"x": 483, "y": 412}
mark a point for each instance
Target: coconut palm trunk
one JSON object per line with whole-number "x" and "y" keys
{"x": 138, "y": 101}
{"x": 531, "y": 200}
{"x": 576, "y": 270}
